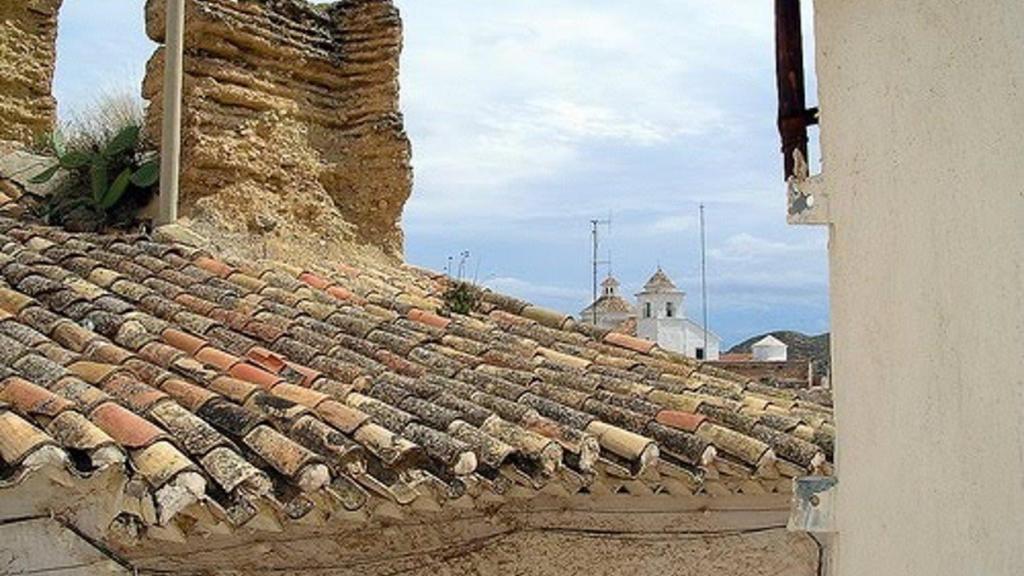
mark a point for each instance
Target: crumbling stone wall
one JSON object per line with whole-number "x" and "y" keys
{"x": 291, "y": 124}
{"x": 28, "y": 53}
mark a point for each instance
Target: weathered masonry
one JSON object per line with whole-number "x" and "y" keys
{"x": 291, "y": 107}
{"x": 28, "y": 38}
{"x": 291, "y": 118}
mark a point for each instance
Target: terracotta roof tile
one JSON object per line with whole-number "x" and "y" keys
{"x": 183, "y": 341}
{"x": 238, "y": 390}
{"x": 255, "y": 375}
{"x": 29, "y": 399}
{"x": 72, "y": 430}
{"x": 315, "y": 376}
{"x": 188, "y": 395}
{"x": 217, "y": 358}
{"x": 428, "y": 318}
{"x": 629, "y": 342}
{"x": 161, "y": 462}
{"x": 124, "y": 426}
{"x": 214, "y": 267}
{"x": 92, "y": 372}
{"x": 19, "y": 439}
{"x": 681, "y": 420}
{"x": 132, "y": 393}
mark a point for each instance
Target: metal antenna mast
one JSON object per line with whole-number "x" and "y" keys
{"x": 704, "y": 278}
{"x": 595, "y": 262}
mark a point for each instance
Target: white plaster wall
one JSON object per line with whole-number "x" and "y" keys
{"x": 667, "y": 332}
{"x": 695, "y": 339}
{"x": 922, "y": 109}
{"x": 769, "y": 353}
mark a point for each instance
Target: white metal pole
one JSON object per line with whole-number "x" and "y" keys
{"x": 704, "y": 279}
{"x": 170, "y": 149}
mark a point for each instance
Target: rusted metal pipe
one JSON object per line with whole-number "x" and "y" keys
{"x": 794, "y": 117}
{"x": 170, "y": 149}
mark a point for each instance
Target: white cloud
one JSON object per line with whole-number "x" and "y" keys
{"x": 673, "y": 224}
{"x": 534, "y": 292}
{"x": 745, "y": 247}
{"x": 513, "y": 94}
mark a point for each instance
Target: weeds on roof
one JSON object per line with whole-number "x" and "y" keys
{"x": 461, "y": 298}
{"x": 109, "y": 169}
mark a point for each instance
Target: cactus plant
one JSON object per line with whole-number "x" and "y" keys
{"x": 91, "y": 193}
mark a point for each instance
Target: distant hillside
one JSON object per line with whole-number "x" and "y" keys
{"x": 800, "y": 346}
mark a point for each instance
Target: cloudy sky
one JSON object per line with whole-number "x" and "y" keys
{"x": 529, "y": 118}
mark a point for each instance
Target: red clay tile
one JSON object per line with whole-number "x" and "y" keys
{"x": 30, "y": 399}
{"x": 300, "y": 395}
{"x": 147, "y": 371}
{"x": 13, "y": 302}
{"x": 111, "y": 354}
{"x": 197, "y": 305}
{"x": 188, "y": 395}
{"x": 342, "y": 417}
{"x": 248, "y": 282}
{"x": 234, "y": 320}
{"x": 629, "y": 342}
{"x": 139, "y": 396}
{"x": 506, "y": 320}
{"x": 160, "y": 354}
{"x": 84, "y": 395}
{"x": 262, "y": 331}
{"x": 428, "y": 318}
{"x": 217, "y": 358}
{"x": 72, "y": 336}
{"x": 340, "y": 293}
{"x": 348, "y": 270}
{"x": 308, "y": 374}
{"x": 19, "y": 438}
{"x": 124, "y": 426}
{"x": 92, "y": 372}
{"x": 399, "y": 364}
{"x": 183, "y": 341}
{"x": 214, "y": 267}
{"x": 681, "y": 420}
{"x": 314, "y": 280}
{"x": 237, "y": 390}
{"x": 255, "y": 375}
{"x": 283, "y": 454}
{"x": 267, "y": 360}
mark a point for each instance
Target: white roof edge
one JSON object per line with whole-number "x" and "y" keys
{"x": 770, "y": 340}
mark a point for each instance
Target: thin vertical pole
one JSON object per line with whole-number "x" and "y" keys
{"x": 704, "y": 279}
{"x": 593, "y": 261}
{"x": 170, "y": 149}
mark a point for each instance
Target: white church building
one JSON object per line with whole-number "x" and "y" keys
{"x": 660, "y": 316}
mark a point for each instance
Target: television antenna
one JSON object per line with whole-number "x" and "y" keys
{"x": 595, "y": 262}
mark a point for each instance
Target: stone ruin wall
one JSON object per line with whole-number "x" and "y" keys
{"x": 28, "y": 51}
{"x": 291, "y": 125}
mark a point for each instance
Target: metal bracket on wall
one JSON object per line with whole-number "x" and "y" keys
{"x": 807, "y": 201}
{"x": 812, "y": 506}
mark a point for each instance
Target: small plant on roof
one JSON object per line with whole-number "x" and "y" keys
{"x": 110, "y": 174}
{"x": 461, "y": 298}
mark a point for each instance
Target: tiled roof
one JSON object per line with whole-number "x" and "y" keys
{"x": 608, "y": 303}
{"x": 240, "y": 390}
{"x": 660, "y": 282}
